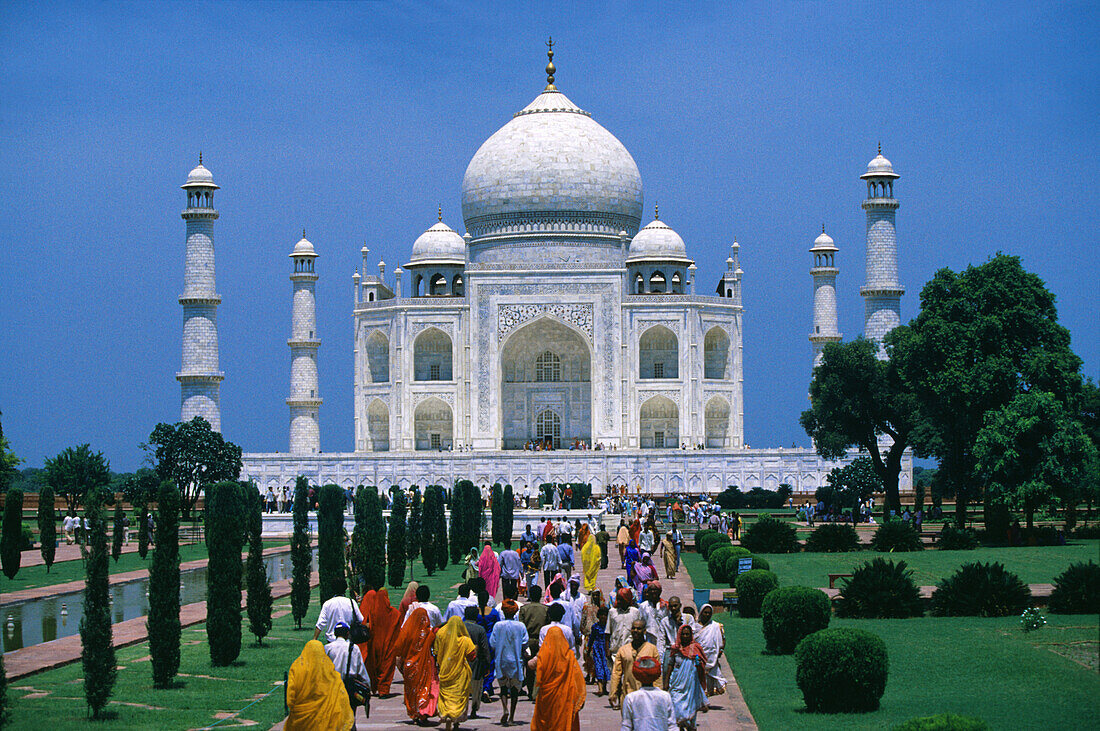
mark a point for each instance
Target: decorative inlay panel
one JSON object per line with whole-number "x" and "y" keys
{"x": 510, "y": 317}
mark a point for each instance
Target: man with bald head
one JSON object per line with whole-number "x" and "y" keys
{"x": 622, "y": 674}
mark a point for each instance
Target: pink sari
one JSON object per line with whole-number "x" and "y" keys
{"x": 489, "y": 569}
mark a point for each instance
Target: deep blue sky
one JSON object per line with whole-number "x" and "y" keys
{"x": 355, "y": 120}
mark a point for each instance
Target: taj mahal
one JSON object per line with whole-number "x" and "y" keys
{"x": 557, "y": 339}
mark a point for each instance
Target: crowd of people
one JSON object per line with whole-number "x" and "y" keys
{"x": 528, "y": 624}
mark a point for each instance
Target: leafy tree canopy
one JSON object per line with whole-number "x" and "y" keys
{"x": 194, "y": 456}
{"x": 76, "y": 472}
{"x": 850, "y": 484}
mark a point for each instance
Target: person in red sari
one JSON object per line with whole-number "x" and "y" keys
{"x": 378, "y": 654}
{"x": 414, "y": 647}
{"x": 636, "y": 531}
{"x": 488, "y": 567}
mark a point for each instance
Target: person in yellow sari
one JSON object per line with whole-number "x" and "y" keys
{"x": 560, "y": 686}
{"x": 315, "y": 694}
{"x": 590, "y": 559}
{"x": 453, "y": 648}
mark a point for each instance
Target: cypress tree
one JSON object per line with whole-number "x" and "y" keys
{"x": 98, "y": 652}
{"x": 12, "y": 538}
{"x": 442, "y": 548}
{"x": 395, "y": 539}
{"x": 163, "y": 624}
{"x": 430, "y": 544}
{"x": 509, "y": 515}
{"x": 141, "y": 515}
{"x": 301, "y": 554}
{"x": 330, "y": 542}
{"x": 457, "y": 516}
{"x": 119, "y": 531}
{"x": 497, "y": 508}
{"x": 475, "y": 518}
{"x": 259, "y": 586}
{"x": 415, "y": 536}
{"x": 224, "y": 571}
{"x": 47, "y": 525}
{"x": 373, "y": 538}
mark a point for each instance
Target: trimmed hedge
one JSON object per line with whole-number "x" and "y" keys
{"x": 841, "y": 670}
{"x": 896, "y": 536}
{"x": 880, "y": 589}
{"x": 770, "y": 535}
{"x": 792, "y": 613}
{"x": 722, "y": 559}
{"x": 1077, "y": 590}
{"x": 833, "y": 538}
{"x": 700, "y": 538}
{"x": 952, "y": 538}
{"x": 713, "y": 542}
{"x": 943, "y": 722}
{"x": 980, "y": 590}
{"x": 752, "y": 587}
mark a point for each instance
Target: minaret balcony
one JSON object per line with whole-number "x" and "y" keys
{"x": 190, "y": 213}
{"x": 881, "y": 291}
{"x": 313, "y": 343}
{"x": 304, "y": 401}
{"x": 880, "y": 203}
{"x": 200, "y": 299}
{"x": 825, "y": 337}
{"x": 822, "y": 271}
{"x": 194, "y": 376}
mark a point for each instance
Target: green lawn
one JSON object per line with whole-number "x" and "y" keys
{"x": 979, "y": 667}
{"x": 1034, "y": 564}
{"x": 32, "y": 577}
{"x": 55, "y": 698}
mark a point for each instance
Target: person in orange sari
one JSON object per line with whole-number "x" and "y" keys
{"x": 560, "y": 686}
{"x": 378, "y": 654}
{"x": 635, "y": 531}
{"x": 414, "y": 647}
{"x": 315, "y": 694}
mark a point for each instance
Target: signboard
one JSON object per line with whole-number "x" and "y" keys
{"x": 744, "y": 564}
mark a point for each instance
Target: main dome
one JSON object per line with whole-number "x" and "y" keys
{"x": 551, "y": 169}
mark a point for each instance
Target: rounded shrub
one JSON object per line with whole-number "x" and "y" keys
{"x": 701, "y": 537}
{"x": 952, "y": 538}
{"x": 833, "y": 538}
{"x": 760, "y": 564}
{"x": 896, "y": 536}
{"x": 1077, "y": 590}
{"x": 880, "y": 589}
{"x": 792, "y": 613}
{"x": 718, "y": 562}
{"x": 770, "y": 535}
{"x": 731, "y": 555}
{"x": 713, "y": 544}
{"x": 980, "y": 590}
{"x": 841, "y": 670}
{"x": 943, "y": 722}
{"x": 752, "y": 587}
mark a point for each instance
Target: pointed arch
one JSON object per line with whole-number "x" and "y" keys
{"x": 432, "y": 356}
{"x": 716, "y": 354}
{"x": 378, "y": 358}
{"x": 717, "y": 417}
{"x": 433, "y": 425}
{"x": 658, "y": 353}
{"x": 659, "y": 423}
{"x": 378, "y": 426}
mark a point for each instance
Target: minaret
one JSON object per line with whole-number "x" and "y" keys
{"x": 199, "y": 377}
{"x": 882, "y": 293}
{"x": 824, "y": 271}
{"x": 304, "y": 400}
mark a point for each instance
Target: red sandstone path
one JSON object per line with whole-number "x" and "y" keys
{"x": 727, "y": 712}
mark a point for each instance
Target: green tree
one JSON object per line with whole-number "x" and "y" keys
{"x": 433, "y": 514}
{"x": 11, "y": 541}
{"x": 163, "y": 624}
{"x": 458, "y": 512}
{"x": 374, "y": 542}
{"x": 1032, "y": 452}
{"x": 849, "y": 485}
{"x": 194, "y": 456}
{"x": 9, "y": 463}
{"x": 496, "y": 508}
{"x": 118, "y": 531}
{"x": 395, "y": 539}
{"x": 509, "y": 515}
{"x": 259, "y": 586}
{"x": 856, "y": 398}
{"x": 76, "y": 472}
{"x": 330, "y": 542}
{"x": 47, "y": 525}
{"x": 96, "y": 639}
{"x": 301, "y": 553}
{"x": 223, "y": 576}
{"x": 141, "y": 515}
{"x": 416, "y": 529}
{"x": 982, "y": 337}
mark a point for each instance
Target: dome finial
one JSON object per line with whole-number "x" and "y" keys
{"x": 880, "y": 147}
{"x": 441, "y": 213}
{"x": 823, "y": 227}
{"x": 550, "y": 66}
{"x": 200, "y": 157}
{"x": 656, "y": 212}
{"x": 303, "y": 232}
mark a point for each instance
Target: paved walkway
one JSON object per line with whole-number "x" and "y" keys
{"x": 727, "y": 712}
{"x": 49, "y": 655}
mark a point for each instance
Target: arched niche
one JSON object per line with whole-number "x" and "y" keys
{"x": 659, "y": 423}
{"x": 433, "y": 425}
{"x": 378, "y": 426}
{"x": 716, "y": 354}
{"x": 378, "y": 357}
{"x": 717, "y": 422}
{"x": 432, "y": 356}
{"x": 658, "y": 353}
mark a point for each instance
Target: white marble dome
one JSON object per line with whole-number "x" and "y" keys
{"x": 552, "y": 168}
{"x": 657, "y": 242}
{"x": 879, "y": 166}
{"x": 304, "y": 247}
{"x": 824, "y": 241}
{"x": 439, "y": 244}
{"x": 200, "y": 176}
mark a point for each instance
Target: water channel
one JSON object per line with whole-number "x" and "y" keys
{"x": 49, "y": 618}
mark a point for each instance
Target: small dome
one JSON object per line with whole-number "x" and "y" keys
{"x": 439, "y": 244}
{"x": 657, "y": 241}
{"x": 199, "y": 177}
{"x": 879, "y": 167}
{"x": 824, "y": 241}
{"x": 303, "y": 247}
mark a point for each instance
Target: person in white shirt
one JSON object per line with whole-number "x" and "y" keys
{"x": 654, "y": 612}
{"x": 556, "y": 613}
{"x": 668, "y": 626}
{"x": 336, "y": 609}
{"x": 648, "y": 708}
{"x": 68, "y": 527}
{"x": 457, "y": 608}
{"x": 337, "y": 650}
{"x": 551, "y": 561}
{"x": 423, "y": 594}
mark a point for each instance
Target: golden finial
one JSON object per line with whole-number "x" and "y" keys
{"x": 823, "y": 227}
{"x": 550, "y": 66}
{"x": 200, "y": 157}
{"x": 656, "y": 212}
{"x": 303, "y": 232}
{"x": 441, "y": 213}
{"x": 880, "y": 147}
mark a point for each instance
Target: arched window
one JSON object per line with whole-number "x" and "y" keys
{"x": 548, "y": 428}
{"x": 716, "y": 353}
{"x": 418, "y": 286}
{"x": 370, "y": 296}
{"x": 639, "y": 285}
{"x": 438, "y": 285}
{"x": 432, "y": 356}
{"x": 457, "y": 287}
{"x": 677, "y": 284}
{"x": 658, "y": 353}
{"x": 657, "y": 282}
{"x": 548, "y": 368}
{"x": 378, "y": 358}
